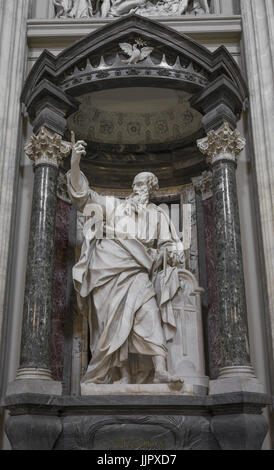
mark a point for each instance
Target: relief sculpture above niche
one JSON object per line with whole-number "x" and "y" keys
{"x": 116, "y": 8}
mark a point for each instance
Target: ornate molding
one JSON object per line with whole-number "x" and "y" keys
{"x": 203, "y": 184}
{"x": 223, "y": 144}
{"x": 148, "y": 68}
{"x": 47, "y": 148}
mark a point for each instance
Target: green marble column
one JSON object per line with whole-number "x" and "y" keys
{"x": 47, "y": 151}
{"x": 222, "y": 148}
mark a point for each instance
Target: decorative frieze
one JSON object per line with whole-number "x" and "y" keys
{"x": 223, "y": 144}
{"x": 115, "y": 8}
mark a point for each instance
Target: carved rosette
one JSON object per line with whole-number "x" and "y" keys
{"x": 47, "y": 148}
{"x": 223, "y": 144}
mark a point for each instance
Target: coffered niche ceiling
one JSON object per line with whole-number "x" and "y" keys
{"x": 136, "y": 128}
{"x": 135, "y": 116}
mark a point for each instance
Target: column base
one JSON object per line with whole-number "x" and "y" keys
{"x": 38, "y": 381}
{"x": 236, "y": 379}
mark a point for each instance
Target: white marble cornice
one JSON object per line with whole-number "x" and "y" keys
{"x": 62, "y": 33}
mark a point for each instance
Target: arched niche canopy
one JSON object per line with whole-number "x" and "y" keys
{"x": 207, "y": 87}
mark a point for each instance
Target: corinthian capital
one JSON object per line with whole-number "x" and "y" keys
{"x": 47, "y": 148}
{"x": 223, "y": 144}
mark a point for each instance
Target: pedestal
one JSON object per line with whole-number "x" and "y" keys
{"x": 120, "y": 422}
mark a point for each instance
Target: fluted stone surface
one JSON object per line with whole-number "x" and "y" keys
{"x": 13, "y": 30}
{"x": 258, "y": 27}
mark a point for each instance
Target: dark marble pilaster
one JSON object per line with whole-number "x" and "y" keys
{"x": 47, "y": 151}
{"x": 213, "y": 326}
{"x": 60, "y": 276}
{"x": 222, "y": 148}
{"x": 203, "y": 188}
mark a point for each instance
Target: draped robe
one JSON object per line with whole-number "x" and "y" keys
{"x": 128, "y": 306}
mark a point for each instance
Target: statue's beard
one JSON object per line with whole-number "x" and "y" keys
{"x": 142, "y": 197}
{"x": 135, "y": 201}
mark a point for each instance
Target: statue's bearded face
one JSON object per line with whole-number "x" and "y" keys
{"x": 141, "y": 189}
{"x": 143, "y": 185}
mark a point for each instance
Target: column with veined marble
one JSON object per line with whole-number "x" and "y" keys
{"x": 222, "y": 148}
{"x": 46, "y": 150}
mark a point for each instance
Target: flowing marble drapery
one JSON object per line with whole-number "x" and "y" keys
{"x": 139, "y": 319}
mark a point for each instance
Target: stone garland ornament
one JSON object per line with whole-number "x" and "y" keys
{"x": 84, "y": 9}
{"x": 47, "y": 148}
{"x": 223, "y": 144}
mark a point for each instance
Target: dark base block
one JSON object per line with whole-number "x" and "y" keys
{"x": 224, "y": 422}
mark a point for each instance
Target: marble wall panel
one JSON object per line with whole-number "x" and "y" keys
{"x": 212, "y": 323}
{"x": 60, "y": 278}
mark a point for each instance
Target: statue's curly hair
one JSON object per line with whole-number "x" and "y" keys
{"x": 151, "y": 180}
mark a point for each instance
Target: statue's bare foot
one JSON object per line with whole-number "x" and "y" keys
{"x": 163, "y": 377}
{"x": 123, "y": 380}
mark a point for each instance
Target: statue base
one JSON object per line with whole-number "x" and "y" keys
{"x": 194, "y": 386}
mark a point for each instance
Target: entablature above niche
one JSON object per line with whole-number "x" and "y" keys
{"x": 210, "y": 30}
{"x": 97, "y": 58}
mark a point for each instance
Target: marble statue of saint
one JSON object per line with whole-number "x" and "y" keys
{"x": 73, "y": 8}
{"x": 126, "y": 280}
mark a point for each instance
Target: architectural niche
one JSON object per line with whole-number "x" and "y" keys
{"x": 58, "y": 95}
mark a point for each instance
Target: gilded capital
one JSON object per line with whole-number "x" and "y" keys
{"x": 47, "y": 148}
{"x": 223, "y": 144}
